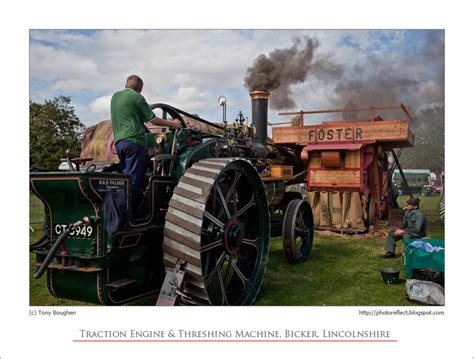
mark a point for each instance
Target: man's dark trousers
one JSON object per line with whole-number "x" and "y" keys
{"x": 132, "y": 158}
{"x": 392, "y": 239}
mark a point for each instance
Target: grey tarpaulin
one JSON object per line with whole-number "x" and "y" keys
{"x": 424, "y": 292}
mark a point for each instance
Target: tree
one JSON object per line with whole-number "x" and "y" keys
{"x": 428, "y": 151}
{"x": 54, "y": 130}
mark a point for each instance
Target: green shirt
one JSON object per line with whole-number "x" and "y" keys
{"x": 129, "y": 111}
{"x": 414, "y": 223}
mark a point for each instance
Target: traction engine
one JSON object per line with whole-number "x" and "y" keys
{"x": 210, "y": 202}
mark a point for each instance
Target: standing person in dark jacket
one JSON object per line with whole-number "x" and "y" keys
{"x": 129, "y": 112}
{"x": 413, "y": 226}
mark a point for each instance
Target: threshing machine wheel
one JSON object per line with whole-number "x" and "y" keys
{"x": 218, "y": 222}
{"x": 371, "y": 212}
{"x": 298, "y": 231}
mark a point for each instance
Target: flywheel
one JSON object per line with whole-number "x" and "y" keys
{"x": 298, "y": 231}
{"x": 218, "y": 223}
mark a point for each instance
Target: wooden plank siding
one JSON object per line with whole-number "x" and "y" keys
{"x": 380, "y": 131}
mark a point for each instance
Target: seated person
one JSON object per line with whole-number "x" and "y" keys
{"x": 414, "y": 226}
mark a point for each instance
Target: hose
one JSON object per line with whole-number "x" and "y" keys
{"x": 40, "y": 242}
{"x": 55, "y": 247}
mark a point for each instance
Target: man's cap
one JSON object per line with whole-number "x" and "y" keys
{"x": 413, "y": 201}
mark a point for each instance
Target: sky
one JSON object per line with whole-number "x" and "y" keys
{"x": 190, "y": 69}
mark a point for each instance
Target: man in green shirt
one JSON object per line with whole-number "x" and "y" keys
{"x": 414, "y": 226}
{"x": 129, "y": 112}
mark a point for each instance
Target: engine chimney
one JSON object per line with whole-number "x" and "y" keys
{"x": 260, "y": 114}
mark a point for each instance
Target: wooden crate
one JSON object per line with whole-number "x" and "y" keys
{"x": 282, "y": 171}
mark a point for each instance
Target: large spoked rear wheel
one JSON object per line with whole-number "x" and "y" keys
{"x": 218, "y": 222}
{"x": 298, "y": 231}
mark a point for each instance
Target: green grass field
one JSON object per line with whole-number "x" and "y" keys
{"x": 342, "y": 271}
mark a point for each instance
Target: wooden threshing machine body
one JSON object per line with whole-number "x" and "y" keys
{"x": 348, "y": 165}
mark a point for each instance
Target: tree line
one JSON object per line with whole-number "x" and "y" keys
{"x": 428, "y": 152}
{"x": 54, "y": 130}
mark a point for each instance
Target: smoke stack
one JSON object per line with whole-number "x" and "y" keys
{"x": 260, "y": 114}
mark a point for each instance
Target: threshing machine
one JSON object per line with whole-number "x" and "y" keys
{"x": 349, "y": 171}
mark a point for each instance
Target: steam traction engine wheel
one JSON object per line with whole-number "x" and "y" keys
{"x": 218, "y": 222}
{"x": 298, "y": 231}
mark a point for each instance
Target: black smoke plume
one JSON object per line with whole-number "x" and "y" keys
{"x": 285, "y": 67}
{"x": 415, "y": 79}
